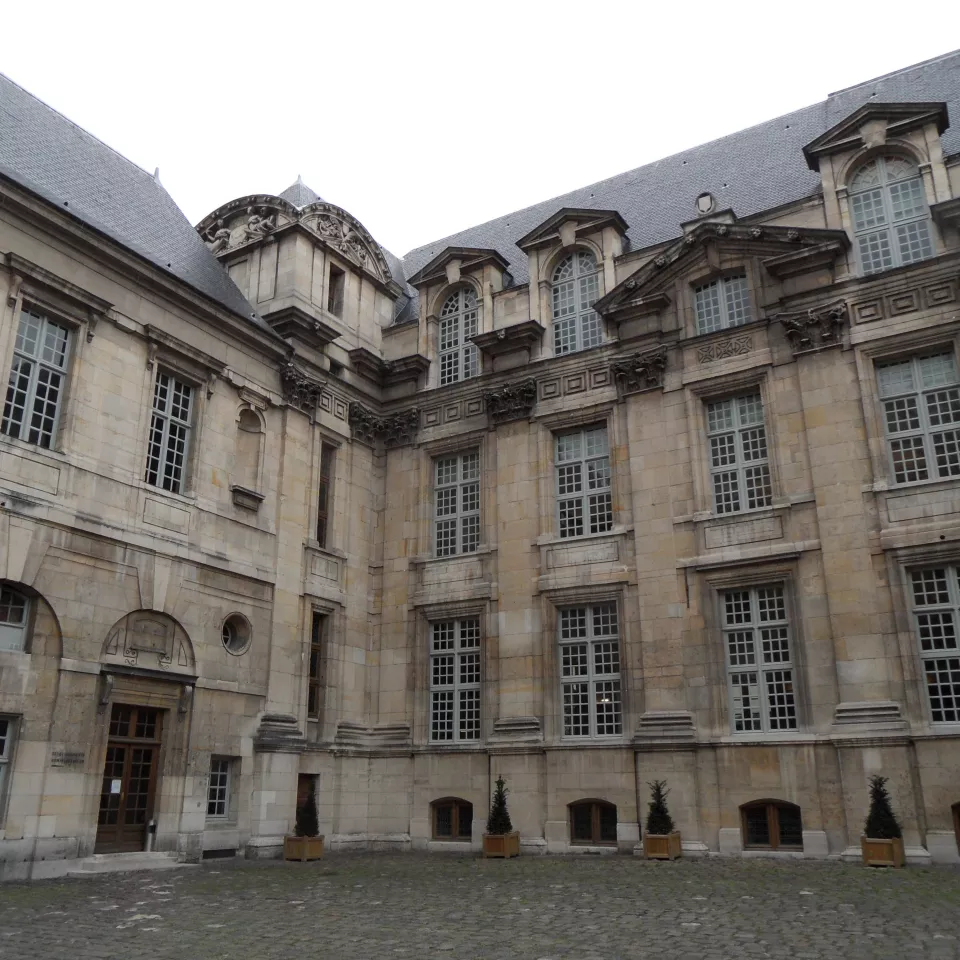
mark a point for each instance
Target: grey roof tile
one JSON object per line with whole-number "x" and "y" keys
{"x": 749, "y": 171}
{"x": 299, "y": 194}
{"x": 52, "y": 157}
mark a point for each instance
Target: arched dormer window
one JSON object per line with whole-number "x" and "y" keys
{"x": 459, "y": 318}
{"x": 576, "y": 325}
{"x": 891, "y": 220}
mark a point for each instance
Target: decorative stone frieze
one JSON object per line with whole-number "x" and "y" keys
{"x": 298, "y": 389}
{"x": 722, "y": 349}
{"x": 394, "y": 430}
{"x": 642, "y": 371}
{"x": 512, "y": 401}
{"x": 817, "y": 328}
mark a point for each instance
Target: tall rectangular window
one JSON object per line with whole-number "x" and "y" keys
{"x": 936, "y": 608}
{"x": 7, "y": 732}
{"x": 455, "y": 680}
{"x": 316, "y": 679}
{"x": 457, "y": 504}
{"x": 756, "y": 638}
{"x": 169, "y": 433}
{"x": 218, "y": 791}
{"x": 34, "y": 398}
{"x": 921, "y": 407}
{"x": 324, "y": 492}
{"x": 590, "y": 671}
{"x": 584, "y": 496}
{"x": 739, "y": 468}
{"x": 335, "y": 287}
{"x": 722, "y": 303}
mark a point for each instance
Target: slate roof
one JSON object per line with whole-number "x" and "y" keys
{"x": 299, "y": 194}
{"x": 44, "y": 152}
{"x": 750, "y": 171}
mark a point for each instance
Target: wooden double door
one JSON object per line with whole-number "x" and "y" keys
{"x": 129, "y": 778}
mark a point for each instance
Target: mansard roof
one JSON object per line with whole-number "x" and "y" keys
{"x": 753, "y": 170}
{"x": 43, "y": 152}
{"x": 299, "y": 194}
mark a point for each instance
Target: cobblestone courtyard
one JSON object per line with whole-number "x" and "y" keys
{"x": 367, "y": 906}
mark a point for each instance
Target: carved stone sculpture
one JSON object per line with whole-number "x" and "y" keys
{"x": 642, "y": 371}
{"x": 512, "y": 401}
{"x": 394, "y": 430}
{"x": 259, "y": 223}
{"x": 342, "y": 236}
{"x": 819, "y": 327}
{"x": 217, "y": 237}
{"x": 298, "y": 389}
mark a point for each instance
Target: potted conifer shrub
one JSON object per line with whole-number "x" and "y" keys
{"x": 500, "y": 840}
{"x": 882, "y": 842}
{"x": 306, "y": 844}
{"x": 660, "y": 840}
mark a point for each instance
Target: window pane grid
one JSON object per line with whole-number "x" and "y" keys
{"x": 457, "y": 504}
{"x": 936, "y": 607}
{"x": 218, "y": 792}
{"x": 455, "y": 680}
{"x": 169, "y": 433}
{"x": 590, "y": 671}
{"x": 740, "y": 471}
{"x": 890, "y": 216}
{"x": 722, "y": 303}
{"x": 584, "y": 497}
{"x": 920, "y": 397}
{"x": 459, "y": 321}
{"x": 32, "y": 404}
{"x": 576, "y": 287}
{"x": 757, "y": 635}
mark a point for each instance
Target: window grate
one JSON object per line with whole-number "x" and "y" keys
{"x": 921, "y": 407}
{"x": 31, "y": 409}
{"x": 590, "y": 671}
{"x": 756, "y": 636}
{"x": 455, "y": 680}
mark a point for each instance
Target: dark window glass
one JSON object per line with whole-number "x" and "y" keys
{"x": 315, "y": 681}
{"x": 772, "y": 826}
{"x": 452, "y": 820}
{"x": 335, "y": 291}
{"x": 593, "y": 821}
{"x": 758, "y": 828}
{"x": 323, "y": 493}
{"x": 791, "y": 829}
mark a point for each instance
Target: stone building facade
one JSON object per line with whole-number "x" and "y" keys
{"x": 655, "y": 480}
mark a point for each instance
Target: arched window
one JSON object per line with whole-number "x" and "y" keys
{"x": 576, "y": 325}
{"x": 771, "y": 825}
{"x": 891, "y": 221}
{"x": 593, "y": 821}
{"x": 458, "y": 323}
{"x": 452, "y": 819}
{"x": 14, "y": 608}
{"x": 249, "y": 437}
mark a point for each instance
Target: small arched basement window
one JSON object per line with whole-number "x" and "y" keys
{"x": 771, "y": 825}
{"x": 891, "y": 220}
{"x": 593, "y": 822}
{"x": 452, "y": 819}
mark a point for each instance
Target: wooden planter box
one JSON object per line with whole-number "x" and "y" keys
{"x": 662, "y": 846}
{"x": 302, "y": 848}
{"x": 501, "y": 844}
{"x": 882, "y": 853}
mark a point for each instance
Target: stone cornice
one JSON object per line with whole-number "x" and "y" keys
{"x": 518, "y": 336}
{"x": 947, "y": 212}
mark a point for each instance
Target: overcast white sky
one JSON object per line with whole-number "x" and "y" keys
{"x": 422, "y": 118}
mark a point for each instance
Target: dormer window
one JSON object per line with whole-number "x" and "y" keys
{"x": 458, "y": 323}
{"x": 576, "y": 325}
{"x": 722, "y": 303}
{"x": 891, "y": 221}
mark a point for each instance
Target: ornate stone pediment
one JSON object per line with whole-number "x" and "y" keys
{"x": 467, "y": 260}
{"x": 298, "y": 389}
{"x": 393, "y": 430}
{"x": 347, "y": 236}
{"x": 512, "y": 401}
{"x": 643, "y": 371}
{"x": 817, "y": 328}
{"x": 567, "y": 224}
{"x": 645, "y": 290}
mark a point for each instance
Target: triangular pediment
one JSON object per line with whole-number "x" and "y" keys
{"x": 873, "y": 121}
{"x": 471, "y": 258}
{"x": 581, "y": 220}
{"x": 645, "y": 290}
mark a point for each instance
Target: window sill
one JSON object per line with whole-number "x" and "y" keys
{"x": 57, "y": 453}
{"x": 186, "y": 499}
{"x": 429, "y": 559}
{"x": 757, "y": 513}
{"x": 552, "y": 540}
{"x": 886, "y": 486}
{"x": 220, "y": 823}
{"x": 312, "y": 544}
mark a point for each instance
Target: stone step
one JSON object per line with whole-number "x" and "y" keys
{"x": 118, "y": 862}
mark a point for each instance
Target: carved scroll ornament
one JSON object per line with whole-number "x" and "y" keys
{"x": 818, "y": 327}
{"x": 512, "y": 401}
{"x": 642, "y": 371}
{"x": 394, "y": 430}
{"x": 298, "y": 389}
